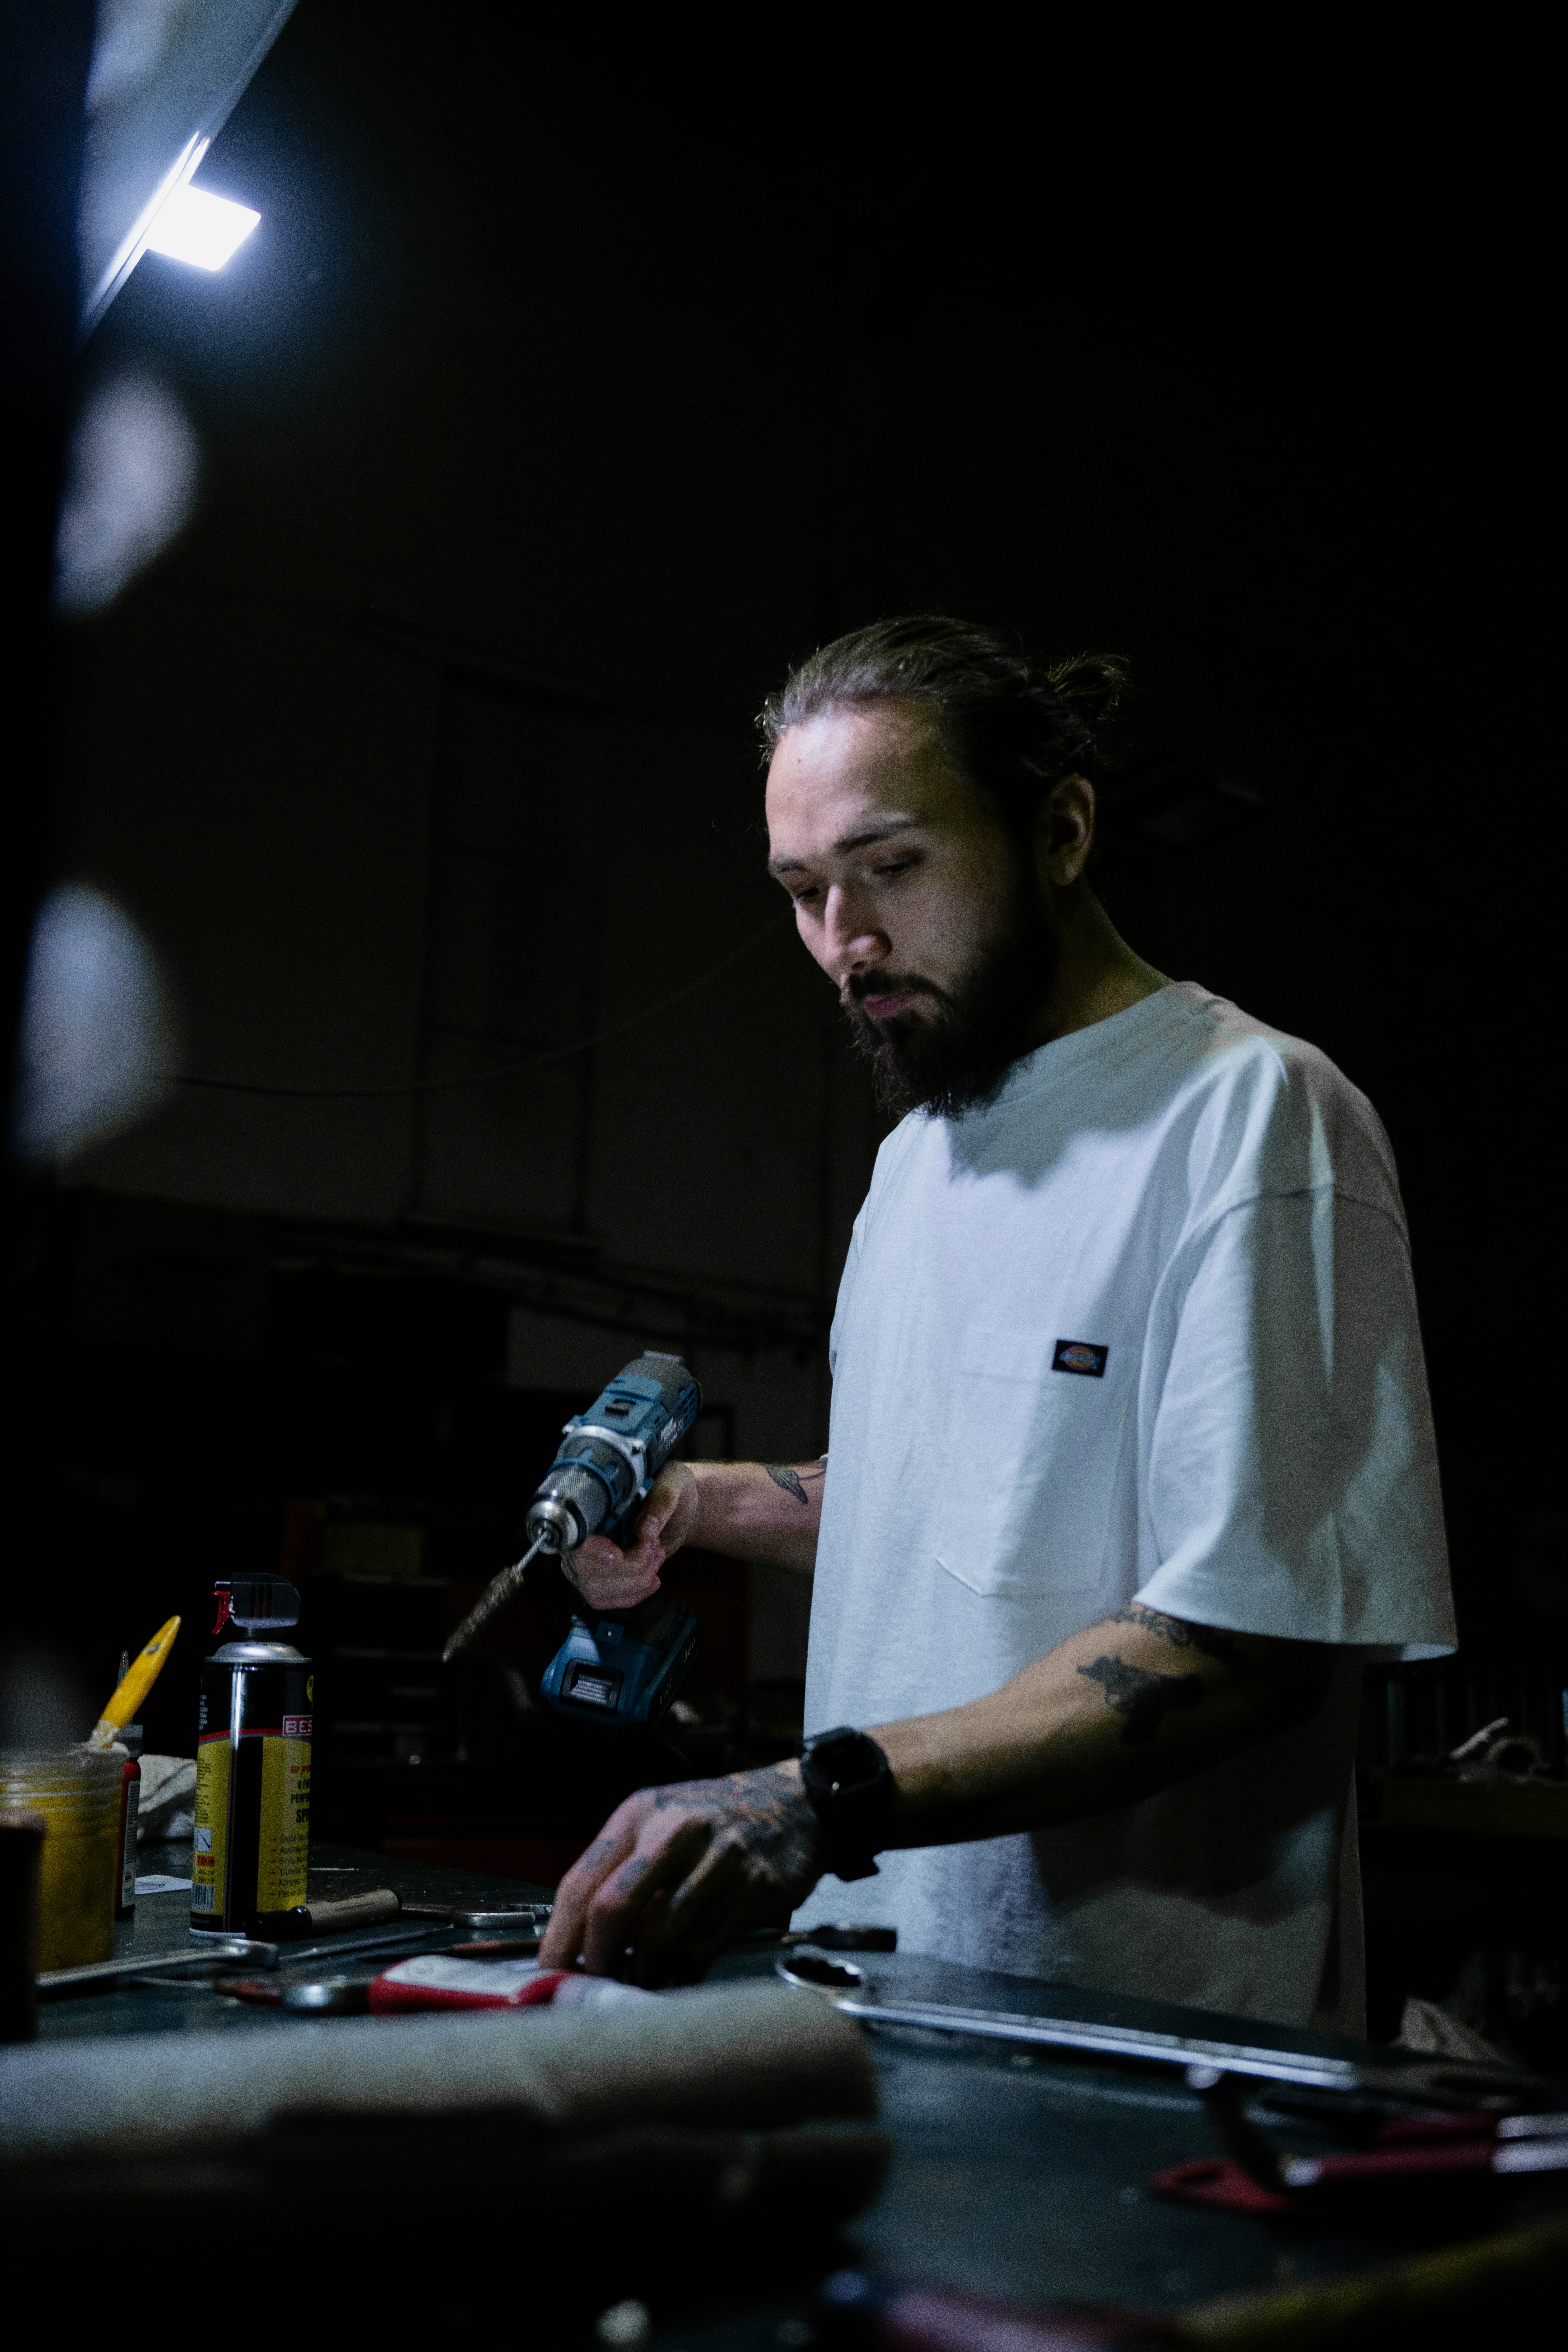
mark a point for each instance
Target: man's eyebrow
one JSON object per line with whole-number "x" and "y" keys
{"x": 862, "y": 838}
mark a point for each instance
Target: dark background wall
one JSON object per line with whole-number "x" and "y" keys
{"x": 560, "y": 399}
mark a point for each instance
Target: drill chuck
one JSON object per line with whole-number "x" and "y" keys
{"x": 554, "y": 1526}
{"x": 610, "y": 1455}
{"x": 578, "y": 1497}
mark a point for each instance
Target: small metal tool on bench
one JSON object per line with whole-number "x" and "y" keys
{"x": 104, "y": 1972}
{"x": 522, "y": 1918}
{"x": 1442, "y": 2155}
{"x": 317, "y": 1997}
{"x": 257, "y": 1952}
{"x": 519, "y": 1919}
{"x": 840, "y": 1936}
{"x": 1447, "y": 2083}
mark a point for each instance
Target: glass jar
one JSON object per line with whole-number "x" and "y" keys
{"x": 75, "y": 1793}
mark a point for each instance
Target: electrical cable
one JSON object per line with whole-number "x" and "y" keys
{"x": 503, "y": 1069}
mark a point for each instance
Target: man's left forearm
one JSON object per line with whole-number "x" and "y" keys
{"x": 1119, "y": 1711}
{"x": 1115, "y": 1713}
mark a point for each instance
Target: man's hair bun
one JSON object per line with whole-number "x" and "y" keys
{"x": 1092, "y": 684}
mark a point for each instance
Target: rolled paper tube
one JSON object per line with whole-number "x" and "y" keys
{"x": 376, "y": 1907}
{"x": 725, "y": 2057}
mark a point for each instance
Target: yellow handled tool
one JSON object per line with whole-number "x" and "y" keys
{"x": 143, "y": 1672}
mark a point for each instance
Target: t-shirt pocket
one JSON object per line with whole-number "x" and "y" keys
{"x": 1034, "y": 1439}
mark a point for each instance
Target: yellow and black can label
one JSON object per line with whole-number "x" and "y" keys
{"x": 212, "y": 1821}
{"x": 253, "y": 1790}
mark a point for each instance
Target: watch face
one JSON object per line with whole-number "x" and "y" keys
{"x": 847, "y": 1759}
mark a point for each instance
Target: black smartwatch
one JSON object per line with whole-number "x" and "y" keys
{"x": 850, "y": 1785}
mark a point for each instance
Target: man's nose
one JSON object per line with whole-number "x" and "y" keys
{"x": 854, "y": 944}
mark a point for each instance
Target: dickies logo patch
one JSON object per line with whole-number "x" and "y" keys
{"x": 1081, "y": 1356}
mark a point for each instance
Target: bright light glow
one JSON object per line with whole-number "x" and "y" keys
{"x": 200, "y": 229}
{"x": 96, "y": 1028}
{"x": 133, "y": 477}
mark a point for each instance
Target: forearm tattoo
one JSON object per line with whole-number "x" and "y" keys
{"x": 1179, "y": 1633}
{"x": 790, "y": 1480}
{"x": 1146, "y": 1699}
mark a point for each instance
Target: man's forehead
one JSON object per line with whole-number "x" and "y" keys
{"x": 847, "y": 778}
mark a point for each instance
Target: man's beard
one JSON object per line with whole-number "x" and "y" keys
{"x": 956, "y": 1059}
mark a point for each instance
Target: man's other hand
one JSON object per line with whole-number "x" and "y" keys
{"x": 609, "y": 1578}
{"x": 676, "y": 1874}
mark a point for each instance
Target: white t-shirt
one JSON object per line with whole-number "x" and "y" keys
{"x": 1144, "y": 1328}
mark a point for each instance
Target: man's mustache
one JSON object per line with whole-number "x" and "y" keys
{"x": 860, "y": 985}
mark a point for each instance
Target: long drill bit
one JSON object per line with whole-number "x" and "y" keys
{"x": 496, "y": 1595}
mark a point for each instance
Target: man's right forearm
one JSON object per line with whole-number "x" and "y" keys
{"x": 768, "y": 1512}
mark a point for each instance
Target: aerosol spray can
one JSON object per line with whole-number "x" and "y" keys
{"x": 253, "y": 1764}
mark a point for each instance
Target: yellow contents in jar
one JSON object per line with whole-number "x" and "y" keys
{"x": 77, "y": 1795}
{"x": 76, "y": 1896}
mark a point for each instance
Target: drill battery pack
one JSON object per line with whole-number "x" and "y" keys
{"x": 623, "y": 1670}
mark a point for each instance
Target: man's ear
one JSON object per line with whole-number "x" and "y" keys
{"x": 1064, "y": 832}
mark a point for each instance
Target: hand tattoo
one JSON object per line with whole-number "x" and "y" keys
{"x": 1146, "y": 1699}
{"x": 1179, "y": 1632}
{"x": 762, "y": 1839}
{"x": 790, "y": 1480}
{"x": 765, "y": 1813}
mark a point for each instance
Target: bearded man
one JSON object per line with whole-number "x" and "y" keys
{"x": 1131, "y": 1463}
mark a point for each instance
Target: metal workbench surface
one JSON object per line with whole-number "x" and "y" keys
{"x": 1022, "y": 2174}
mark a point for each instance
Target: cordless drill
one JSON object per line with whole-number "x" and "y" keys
{"x": 618, "y": 1667}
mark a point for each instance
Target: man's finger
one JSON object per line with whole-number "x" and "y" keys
{"x": 643, "y": 1880}
{"x": 615, "y": 1592}
{"x": 670, "y": 1509}
{"x": 676, "y": 1938}
{"x": 564, "y": 1937}
{"x": 665, "y": 1851}
{"x": 596, "y": 1557}
{"x": 646, "y": 1553}
{"x": 608, "y": 1578}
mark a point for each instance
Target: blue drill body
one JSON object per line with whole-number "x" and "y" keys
{"x": 618, "y": 1667}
